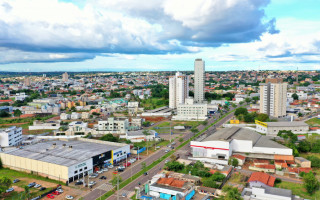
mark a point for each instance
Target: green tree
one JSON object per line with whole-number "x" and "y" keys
{"x": 231, "y": 193}
{"x": 205, "y": 123}
{"x": 27, "y": 191}
{"x": 263, "y": 117}
{"x": 109, "y": 137}
{"x": 234, "y": 162}
{"x": 174, "y": 166}
{"x": 240, "y": 111}
{"x": 194, "y": 130}
{"x": 310, "y": 182}
{"x": 17, "y": 113}
{"x": 1, "y": 165}
{"x": 300, "y": 114}
{"x": 5, "y": 183}
{"x": 208, "y": 182}
{"x": 247, "y": 100}
{"x": 4, "y": 114}
{"x": 295, "y": 96}
{"x": 143, "y": 166}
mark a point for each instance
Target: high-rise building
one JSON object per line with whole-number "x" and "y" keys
{"x": 27, "y": 81}
{"x": 65, "y": 77}
{"x": 178, "y": 89}
{"x": 273, "y": 97}
{"x": 199, "y": 81}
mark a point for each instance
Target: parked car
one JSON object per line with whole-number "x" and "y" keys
{"x": 99, "y": 172}
{"x": 92, "y": 183}
{"x": 37, "y": 186}
{"x": 116, "y": 164}
{"x": 36, "y": 198}
{"x": 110, "y": 166}
{"x": 94, "y": 175}
{"x": 103, "y": 177}
{"x": 105, "y": 169}
{"x": 42, "y": 188}
{"x": 50, "y": 196}
{"x": 120, "y": 169}
{"x": 169, "y": 146}
{"x": 30, "y": 185}
{"x": 173, "y": 143}
{"x": 60, "y": 190}
{"x": 158, "y": 147}
{"x": 10, "y": 190}
{"x": 69, "y": 197}
{"x": 59, "y": 186}
{"x": 146, "y": 173}
{"x": 124, "y": 195}
{"x": 16, "y": 180}
{"x": 167, "y": 161}
{"x": 79, "y": 183}
{"x": 167, "y": 150}
{"x": 127, "y": 164}
{"x": 56, "y": 192}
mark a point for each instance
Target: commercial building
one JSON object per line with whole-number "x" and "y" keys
{"x": 75, "y": 128}
{"x": 170, "y": 188}
{"x": 178, "y": 89}
{"x": 50, "y": 125}
{"x": 303, "y": 162}
{"x": 27, "y": 81}
{"x": 191, "y": 111}
{"x": 273, "y": 98}
{"x": 65, "y": 77}
{"x": 272, "y": 128}
{"x": 199, "y": 80}
{"x": 138, "y": 136}
{"x": 64, "y": 160}
{"x": 267, "y": 193}
{"x": 218, "y": 147}
{"x": 10, "y": 136}
{"x": 113, "y": 125}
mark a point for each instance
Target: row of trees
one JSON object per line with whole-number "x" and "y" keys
{"x": 243, "y": 115}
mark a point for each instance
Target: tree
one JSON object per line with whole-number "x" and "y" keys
{"x": 174, "y": 166}
{"x": 300, "y": 114}
{"x": 240, "y": 111}
{"x": 109, "y": 137}
{"x": 194, "y": 130}
{"x": 26, "y": 191}
{"x": 255, "y": 99}
{"x": 231, "y": 193}
{"x": 208, "y": 182}
{"x": 143, "y": 166}
{"x": 114, "y": 180}
{"x": 304, "y": 146}
{"x": 233, "y": 105}
{"x": 315, "y": 161}
{"x": 17, "y": 113}
{"x": 146, "y": 133}
{"x": 295, "y": 96}
{"x": 205, "y": 123}
{"x": 5, "y": 183}
{"x": 1, "y": 165}
{"x": 234, "y": 162}
{"x": 4, "y": 114}
{"x": 263, "y": 117}
{"x": 310, "y": 182}
{"x": 247, "y": 100}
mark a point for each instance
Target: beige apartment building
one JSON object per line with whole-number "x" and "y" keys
{"x": 273, "y": 98}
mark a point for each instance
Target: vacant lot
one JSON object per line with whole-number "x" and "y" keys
{"x": 313, "y": 122}
{"x": 298, "y": 189}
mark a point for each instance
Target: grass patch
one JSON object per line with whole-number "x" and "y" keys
{"x": 298, "y": 189}
{"x": 21, "y": 195}
{"x": 313, "y": 122}
{"x": 12, "y": 174}
{"x": 238, "y": 178}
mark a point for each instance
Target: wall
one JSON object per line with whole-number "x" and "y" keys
{"x": 241, "y": 146}
{"x": 265, "y": 150}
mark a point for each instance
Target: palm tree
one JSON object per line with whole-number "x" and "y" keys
{"x": 146, "y": 133}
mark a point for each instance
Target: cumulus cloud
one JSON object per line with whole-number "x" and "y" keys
{"x": 127, "y": 27}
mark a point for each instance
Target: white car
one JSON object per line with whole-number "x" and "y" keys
{"x": 100, "y": 172}
{"x": 105, "y": 169}
{"x": 10, "y": 190}
{"x": 132, "y": 160}
{"x": 60, "y": 190}
{"x": 69, "y": 197}
{"x": 167, "y": 161}
{"x": 93, "y": 175}
{"x": 110, "y": 166}
{"x": 37, "y": 186}
{"x": 92, "y": 183}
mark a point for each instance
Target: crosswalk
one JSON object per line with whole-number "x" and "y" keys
{"x": 106, "y": 187}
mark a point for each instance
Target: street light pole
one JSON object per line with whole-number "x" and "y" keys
{"x": 118, "y": 187}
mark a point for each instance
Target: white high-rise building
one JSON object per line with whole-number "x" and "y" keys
{"x": 199, "y": 81}
{"x": 178, "y": 89}
{"x": 273, "y": 98}
{"x": 65, "y": 77}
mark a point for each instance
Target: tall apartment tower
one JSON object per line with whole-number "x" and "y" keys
{"x": 199, "y": 80}
{"x": 178, "y": 89}
{"x": 65, "y": 77}
{"x": 273, "y": 97}
{"x": 27, "y": 81}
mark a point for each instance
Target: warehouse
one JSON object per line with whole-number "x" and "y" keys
{"x": 64, "y": 160}
{"x": 219, "y": 146}
{"x": 272, "y": 128}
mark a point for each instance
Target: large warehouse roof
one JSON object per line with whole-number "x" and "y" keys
{"x": 65, "y": 153}
{"x": 236, "y": 133}
{"x": 286, "y": 124}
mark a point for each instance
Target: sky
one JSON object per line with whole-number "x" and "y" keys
{"x": 139, "y": 35}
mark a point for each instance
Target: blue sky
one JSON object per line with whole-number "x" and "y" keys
{"x": 126, "y": 35}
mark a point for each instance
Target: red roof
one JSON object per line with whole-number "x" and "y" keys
{"x": 283, "y": 157}
{"x": 263, "y": 178}
{"x": 239, "y": 156}
{"x": 5, "y": 100}
{"x": 300, "y": 169}
{"x": 266, "y": 166}
{"x": 282, "y": 163}
{"x": 260, "y": 161}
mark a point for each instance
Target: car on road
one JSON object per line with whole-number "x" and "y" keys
{"x": 173, "y": 143}
{"x": 132, "y": 160}
{"x": 42, "y": 188}
{"x": 146, "y": 173}
{"x": 92, "y": 183}
{"x": 37, "y": 186}
{"x": 50, "y": 196}
{"x": 127, "y": 164}
{"x": 110, "y": 166}
{"x": 103, "y": 177}
{"x": 158, "y": 147}
{"x": 99, "y": 172}
{"x": 169, "y": 146}
{"x": 16, "y": 180}
{"x": 30, "y": 185}
{"x": 167, "y": 150}
{"x": 69, "y": 197}
{"x": 10, "y": 190}
{"x": 36, "y": 198}
{"x": 124, "y": 195}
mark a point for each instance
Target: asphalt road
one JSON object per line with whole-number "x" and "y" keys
{"x": 142, "y": 179}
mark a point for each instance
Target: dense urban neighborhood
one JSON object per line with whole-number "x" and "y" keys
{"x": 160, "y": 135}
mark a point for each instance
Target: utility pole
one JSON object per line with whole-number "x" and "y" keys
{"x": 170, "y": 132}
{"x": 117, "y": 187}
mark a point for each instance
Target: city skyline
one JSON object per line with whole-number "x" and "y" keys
{"x": 158, "y": 36}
